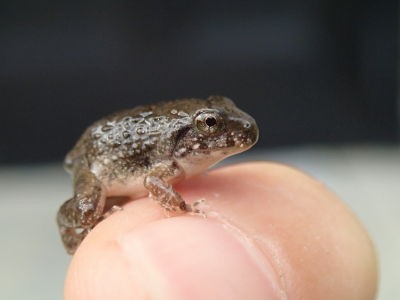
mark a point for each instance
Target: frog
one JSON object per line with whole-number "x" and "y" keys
{"x": 146, "y": 150}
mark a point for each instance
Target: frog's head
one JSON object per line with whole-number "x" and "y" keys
{"x": 218, "y": 130}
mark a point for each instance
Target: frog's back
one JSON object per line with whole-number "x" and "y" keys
{"x": 133, "y": 133}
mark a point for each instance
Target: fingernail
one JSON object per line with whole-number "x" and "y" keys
{"x": 193, "y": 258}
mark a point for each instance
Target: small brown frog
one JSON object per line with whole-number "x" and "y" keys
{"x": 144, "y": 150}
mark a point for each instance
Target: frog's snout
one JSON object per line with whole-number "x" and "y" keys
{"x": 253, "y": 133}
{"x": 244, "y": 131}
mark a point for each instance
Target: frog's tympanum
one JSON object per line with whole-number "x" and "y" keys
{"x": 144, "y": 150}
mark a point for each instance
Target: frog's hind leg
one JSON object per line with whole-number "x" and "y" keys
{"x": 72, "y": 233}
{"x": 82, "y": 212}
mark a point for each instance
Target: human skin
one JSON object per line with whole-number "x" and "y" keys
{"x": 271, "y": 232}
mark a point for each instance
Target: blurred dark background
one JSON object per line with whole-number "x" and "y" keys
{"x": 308, "y": 71}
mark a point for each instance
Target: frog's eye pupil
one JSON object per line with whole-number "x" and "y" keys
{"x": 211, "y": 121}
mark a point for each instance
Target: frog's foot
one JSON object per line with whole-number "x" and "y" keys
{"x": 167, "y": 212}
{"x": 199, "y": 207}
{"x": 72, "y": 237}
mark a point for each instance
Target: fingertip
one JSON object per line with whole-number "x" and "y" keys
{"x": 175, "y": 258}
{"x": 306, "y": 235}
{"x": 315, "y": 242}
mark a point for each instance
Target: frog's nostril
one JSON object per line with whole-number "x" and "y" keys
{"x": 246, "y": 124}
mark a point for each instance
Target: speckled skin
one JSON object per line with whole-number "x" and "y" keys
{"x": 144, "y": 150}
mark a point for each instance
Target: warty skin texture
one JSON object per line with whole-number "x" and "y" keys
{"x": 146, "y": 149}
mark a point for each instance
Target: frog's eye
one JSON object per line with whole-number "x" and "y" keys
{"x": 209, "y": 121}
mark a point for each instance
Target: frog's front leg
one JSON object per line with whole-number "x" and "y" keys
{"x": 80, "y": 213}
{"x": 156, "y": 182}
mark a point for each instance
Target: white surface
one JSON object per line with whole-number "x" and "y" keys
{"x": 33, "y": 262}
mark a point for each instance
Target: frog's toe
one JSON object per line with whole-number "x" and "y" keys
{"x": 199, "y": 207}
